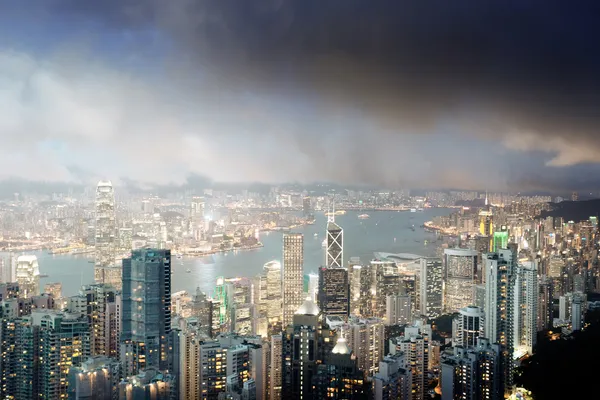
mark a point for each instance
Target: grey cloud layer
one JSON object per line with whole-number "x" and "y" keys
{"x": 522, "y": 75}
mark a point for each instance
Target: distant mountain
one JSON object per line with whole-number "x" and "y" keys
{"x": 574, "y": 210}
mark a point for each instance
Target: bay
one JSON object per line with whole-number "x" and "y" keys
{"x": 384, "y": 231}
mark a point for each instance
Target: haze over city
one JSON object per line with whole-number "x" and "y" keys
{"x": 396, "y": 94}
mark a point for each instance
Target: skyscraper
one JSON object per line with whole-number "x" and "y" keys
{"x": 415, "y": 345}
{"x": 335, "y": 253}
{"x": 28, "y": 276}
{"x": 526, "y": 300}
{"x": 334, "y": 292}
{"x": 430, "y": 286}
{"x": 146, "y": 310}
{"x": 293, "y": 261}
{"x": 366, "y": 339}
{"x": 273, "y": 297}
{"x": 393, "y": 381}
{"x": 398, "y": 309}
{"x": 105, "y": 270}
{"x": 470, "y": 326}
{"x": 460, "y": 272}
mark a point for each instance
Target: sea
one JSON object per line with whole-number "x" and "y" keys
{"x": 383, "y": 231}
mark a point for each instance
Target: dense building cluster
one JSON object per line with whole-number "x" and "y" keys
{"x": 355, "y": 330}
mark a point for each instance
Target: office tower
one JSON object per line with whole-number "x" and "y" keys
{"x": 545, "y": 305}
{"x": 366, "y": 339}
{"x": 334, "y": 292}
{"x": 197, "y": 217}
{"x": 305, "y": 344}
{"x": 415, "y": 346}
{"x": 354, "y": 271}
{"x": 335, "y": 251}
{"x": 460, "y": 274}
{"x": 105, "y": 270}
{"x": 430, "y": 285}
{"x": 499, "y": 306}
{"x": 97, "y": 300}
{"x": 96, "y": 379}
{"x": 28, "y": 276}
{"x": 486, "y": 225}
{"x": 578, "y": 311}
{"x": 146, "y": 320}
{"x": 190, "y": 338}
{"x": 479, "y": 296}
{"x": 313, "y": 287}
{"x": 473, "y": 373}
{"x": 222, "y": 309}
{"x": 340, "y": 377}
{"x": 275, "y": 367}
{"x": 202, "y": 310}
{"x": 61, "y": 340}
{"x": 367, "y": 291}
{"x": 293, "y": 260}
{"x": 273, "y": 294}
{"x": 398, "y": 309}
{"x": 470, "y": 324}
{"x": 393, "y": 381}
{"x": 243, "y": 319}
{"x": 500, "y": 239}
{"x": 387, "y": 282}
{"x": 526, "y": 298}
{"x": 150, "y": 384}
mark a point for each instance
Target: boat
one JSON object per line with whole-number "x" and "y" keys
{"x": 413, "y": 210}
{"x": 363, "y": 216}
{"x": 412, "y": 228}
{"x": 316, "y": 234}
{"x": 179, "y": 255}
{"x": 188, "y": 270}
{"x": 324, "y": 243}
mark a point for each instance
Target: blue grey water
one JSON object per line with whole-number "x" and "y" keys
{"x": 385, "y": 231}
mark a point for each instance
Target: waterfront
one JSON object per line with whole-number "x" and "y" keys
{"x": 384, "y": 231}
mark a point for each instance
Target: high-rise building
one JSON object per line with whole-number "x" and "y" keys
{"x": 54, "y": 289}
{"x": 190, "y": 338}
{"x": 197, "y": 220}
{"x": 499, "y": 306}
{"x": 306, "y": 207}
{"x": 275, "y": 367}
{"x": 146, "y": 320}
{"x": 486, "y": 225}
{"x": 577, "y": 311}
{"x": 393, "y": 381}
{"x": 460, "y": 274}
{"x": 334, "y": 292}
{"x": 105, "y": 270}
{"x": 305, "y": 344}
{"x": 97, "y": 299}
{"x": 545, "y": 305}
{"x": 473, "y": 373}
{"x": 28, "y": 276}
{"x": 149, "y": 384}
{"x": 340, "y": 377}
{"x": 354, "y": 270}
{"x": 96, "y": 379}
{"x": 273, "y": 297}
{"x": 387, "y": 281}
{"x": 430, "y": 285}
{"x": 293, "y": 261}
{"x": 526, "y": 300}
{"x": 415, "y": 345}
{"x": 335, "y": 249}
{"x": 470, "y": 324}
{"x": 48, "y": 344}
{"x": 398, "y": 309}
{"x": 500, "y": 239}
{"x": 366, "y": 339}
{"x": 312, "y": 287}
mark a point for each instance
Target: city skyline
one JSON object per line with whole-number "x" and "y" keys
{"x": 88, "y": 83}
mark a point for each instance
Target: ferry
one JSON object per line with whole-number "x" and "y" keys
{"x": 316, "y": 234}
{"x": 324, "y": 243}
{"x": 413, "y": 210}
{"x": 188, "y": 270}
{"x": 363, "y": 216}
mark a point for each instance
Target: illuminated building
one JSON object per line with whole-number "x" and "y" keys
{"x": 105, "y": 270}
{"x": 339, "y": 377}
{"x": 430, "y": 286}
{"x": 293, "y": 261}
{"x": 354, "y": 271}
{"x": 150, "y": 384}
{"x": 146, "y": 317}
{"x": 197, "y": 217}
{"x": 526, "y": 300}
{"x": 578, "y": 311}
{"x": 460, "y": 273}
{"x": 334, "y": 292}
{"x": 415, "y": 346}
{"x": 221, "y": 306}
{"x": 273, "y": 296}
{"x": 387, "y": 282}
{"x": 366, "y": 339}
{"x": 398, "y": 309}
{"x": 393, "y": 381}
{"x": 97, "y": 378}
{"x": 470, "y": 326}
{"x": 473, "y": 373}
{"x": 55, "y": 290}
{"x": 486, "y": 226}
{"x": 275, "y": 367}
{"x": 500, "y": 305}
{"x": 305, "y": 344}
{"x": 545, "y": 305}
{"x": 190, "y": 339}
{"x": 97, "y": 299}
{"x": 500, "y": 239}
{"x": 28, "y": 276}
{"x": 313, "y": 286}
{"x": 335, "y": 249}
{"x": 61, "y": 341}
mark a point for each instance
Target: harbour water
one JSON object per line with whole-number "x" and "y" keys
{"x": 384, "y": 231}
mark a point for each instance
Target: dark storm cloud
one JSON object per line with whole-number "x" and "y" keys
{"x": 460, "y": 88}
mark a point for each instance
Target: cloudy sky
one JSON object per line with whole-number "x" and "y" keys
{"x": 498, "y": 95}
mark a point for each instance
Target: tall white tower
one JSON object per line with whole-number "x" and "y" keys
{"x": 293, "y": 263}
{"x": 105, "y": 270}
{"x": 28, "y": 276}
{"x": 335, "y": 246}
